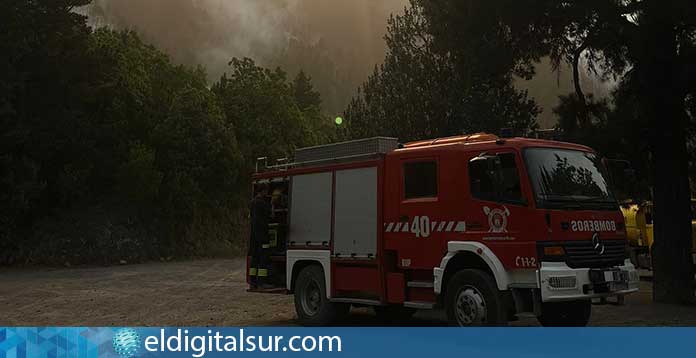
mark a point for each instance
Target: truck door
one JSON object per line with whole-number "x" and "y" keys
{"x": 419, "y": 197}
{"x": 498, "y": 210}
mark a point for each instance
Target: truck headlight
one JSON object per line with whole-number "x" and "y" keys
{"x": 553, "y": 253}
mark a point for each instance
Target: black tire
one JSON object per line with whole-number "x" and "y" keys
{"x": 565, "y": 314}
{"x": 472, "y": 299}
{"x": 311, "y": 304}
{"x": 393, "y": 313}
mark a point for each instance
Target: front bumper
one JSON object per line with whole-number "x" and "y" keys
{"x": 558, "y": 282}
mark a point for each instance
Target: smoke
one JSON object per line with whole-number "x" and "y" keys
{"x": 337, "y": 42}
{"x": 205, "y": 32}
{"x": 547, "y": 85}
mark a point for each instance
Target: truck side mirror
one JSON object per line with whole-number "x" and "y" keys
{"x": 622, "y": 177}
{"x": 493, "y": 167}
{"x": 492, "y": 161}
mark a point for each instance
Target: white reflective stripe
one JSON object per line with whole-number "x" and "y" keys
{"x": 439, "y": 226}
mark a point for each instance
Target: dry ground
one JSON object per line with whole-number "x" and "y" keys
{"x": 212, "y": 292}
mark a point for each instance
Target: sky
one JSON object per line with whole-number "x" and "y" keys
{"x": 338, "y": 42}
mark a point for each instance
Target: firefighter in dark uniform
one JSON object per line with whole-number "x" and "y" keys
{"x": 260, "y": 213}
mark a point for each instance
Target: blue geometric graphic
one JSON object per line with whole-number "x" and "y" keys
{"x": 56, "y": 342}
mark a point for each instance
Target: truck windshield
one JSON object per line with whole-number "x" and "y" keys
{"x": 568, "y": 179}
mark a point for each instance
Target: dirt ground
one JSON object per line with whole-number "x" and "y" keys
{"x": 212, "y": 292}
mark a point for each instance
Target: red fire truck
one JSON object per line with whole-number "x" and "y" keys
{"x": 480, "y": 226}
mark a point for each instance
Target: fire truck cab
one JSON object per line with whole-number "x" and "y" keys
{"x": 480, "y": 226}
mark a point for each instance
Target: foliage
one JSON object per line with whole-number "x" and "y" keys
{"x": 40, "y": 88}
{"x": 110, "y": 152}
{"x": 142, "y": 137}
{"x": 272, "y": 115}
{"x": 305, "y": 95}
{"x": 428, "y": 87}
{"x": 605, "y": 118}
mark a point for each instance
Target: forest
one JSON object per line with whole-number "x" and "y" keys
{"x": 111, "y": 152}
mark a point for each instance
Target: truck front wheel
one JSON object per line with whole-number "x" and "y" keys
{"x": 472, "y": 299}
{"x": 311, "y": 304}
{"x": 565, "y": 314}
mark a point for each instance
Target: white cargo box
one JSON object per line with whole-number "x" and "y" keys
{"x": 342, "y": 202}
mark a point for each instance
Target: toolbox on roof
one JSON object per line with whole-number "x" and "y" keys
{"x": 344, "y": 151}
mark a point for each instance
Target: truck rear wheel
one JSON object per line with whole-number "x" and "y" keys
{"x": 472, "y": 299}
{"x": 565, "y": 314}
{"x": 311, "y": 304}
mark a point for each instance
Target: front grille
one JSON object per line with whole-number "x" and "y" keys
{"x": 583, "y": 254}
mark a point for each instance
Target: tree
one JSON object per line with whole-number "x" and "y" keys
{"x": 162, "y": 145}
{"x": 42, "y": 45}
{"x": 652, "y": 46}
{"x": 321, "y": 128}
{"x": 605, "y": 119}
{"x": 108, "y": 150}
{"x": 305, "y": 94}
{"x": 665, "y": 64}
{"x": 653, "y": 42}
{"x": 424, "y": 89}
{"x": 271, "y": 116}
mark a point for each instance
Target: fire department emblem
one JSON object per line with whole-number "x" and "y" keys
{"x": 497, "y": 218}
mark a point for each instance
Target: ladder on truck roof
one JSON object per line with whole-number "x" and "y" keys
{"x": 334, "y": 153}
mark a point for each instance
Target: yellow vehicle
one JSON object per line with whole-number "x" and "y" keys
{"x": 639, "y": 229}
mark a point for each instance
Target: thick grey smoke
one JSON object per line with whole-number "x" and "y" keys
{"x": 209, "y": 32}
{"x": 336, "y": 41}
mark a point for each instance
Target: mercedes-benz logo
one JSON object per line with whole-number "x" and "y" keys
{"x": 597, "y": 244}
